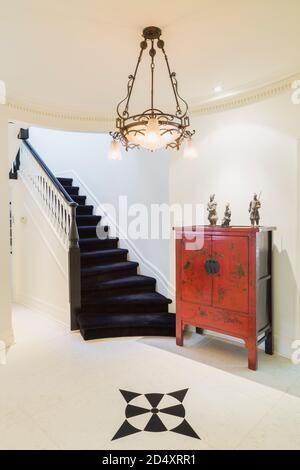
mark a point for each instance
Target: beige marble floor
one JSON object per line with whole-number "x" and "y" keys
{"x": 59, "y": 392}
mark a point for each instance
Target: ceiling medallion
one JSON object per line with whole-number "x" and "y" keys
{"x": 152, "y": 129}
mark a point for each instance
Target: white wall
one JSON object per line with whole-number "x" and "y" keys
{"x": 240, "y": 152}
{"x": 39, "y": 259}
{"x": 141, "y": 176}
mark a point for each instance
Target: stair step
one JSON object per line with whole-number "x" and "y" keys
{"x": 93, "y": 244}
{"x": 107, "y": 271}
{"x": 126, "y": 324}
{"x": 85, "y": 210}
{"x": 79, "y": 199}
{"x": 65, "y": 181}
{"x": 121, "y": 286}
{"x": 116, "y": 301}
{"x": 92, "y": 258}
{"x": 88, "y": 231}
{"x": 87, "y": 220}
{"x": 146, "y": 302}
{"x": 72, "y": 190}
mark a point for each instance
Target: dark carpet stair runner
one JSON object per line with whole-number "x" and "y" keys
{"x": 116, "y": 300}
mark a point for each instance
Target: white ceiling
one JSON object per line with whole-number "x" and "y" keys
{"x": 76, "y": 55}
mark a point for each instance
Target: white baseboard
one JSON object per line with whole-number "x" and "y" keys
{"x": 282, "y": 345}
{"x": 7, "y": 339}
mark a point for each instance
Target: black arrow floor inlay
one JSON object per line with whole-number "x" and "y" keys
{"x": 129, "y": 395}
{"x": 154, "y": 398}
{"x": 152, "y": 411}
{"x": 177, "y": 410}
{"x": 155, "y": 424}
{"x": 185, "y": 428}
{"x": 132, "y": 410}
{"x": 125, "y": 430}
{"x": 179, "y": 395}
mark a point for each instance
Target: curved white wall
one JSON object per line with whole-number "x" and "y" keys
{"x": 240, "y": 152}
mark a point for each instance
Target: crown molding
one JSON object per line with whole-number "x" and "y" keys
{"x": 107, "y": 121}
{"x": 247, "y": 96}
{"x": 37, "y": 112}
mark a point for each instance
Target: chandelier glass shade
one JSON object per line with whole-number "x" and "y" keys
{"x": 152, "y": 129}
{"x": 114, "y": 152}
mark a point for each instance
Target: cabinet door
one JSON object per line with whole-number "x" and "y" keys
{"x": 195, "y": 283}
{"x": 230, "y": 284}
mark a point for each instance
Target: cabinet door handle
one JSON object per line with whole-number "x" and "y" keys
{"x": 212, "y": 266}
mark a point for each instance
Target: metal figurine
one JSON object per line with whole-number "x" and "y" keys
{"x": 254, "y": 207}
{"x": 227, "y": 216}
{"x": 212, "y": 211}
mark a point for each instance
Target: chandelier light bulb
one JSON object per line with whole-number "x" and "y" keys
{"x": 152, "y": 139}
{"x": 189, "y": 151}
{"x": 114, "y": 152}
{"x": 218, "y": 88}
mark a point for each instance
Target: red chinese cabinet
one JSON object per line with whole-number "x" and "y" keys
{"x": 224, "y": 283}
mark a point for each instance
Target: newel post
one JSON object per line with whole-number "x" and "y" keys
{"x": 74, "y": 268}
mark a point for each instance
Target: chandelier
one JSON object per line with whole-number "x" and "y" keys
{"x": 152, "y": 129}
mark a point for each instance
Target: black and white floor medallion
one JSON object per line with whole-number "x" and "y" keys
{"x": 155, "y": 412}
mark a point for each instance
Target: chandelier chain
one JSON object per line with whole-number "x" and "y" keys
{"x": 172, "y": 82}
{"x": 133, "y": 77}
{"x": 152, "y": 54}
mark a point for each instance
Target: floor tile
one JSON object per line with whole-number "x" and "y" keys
{"x": 19, "y": 432}
{"x": 278, "y": 430}
{"x": 58, "y": 391}
{"x": 273, "y": 371}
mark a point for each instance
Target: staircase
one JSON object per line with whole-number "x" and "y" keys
{"x": 115, "y": 299}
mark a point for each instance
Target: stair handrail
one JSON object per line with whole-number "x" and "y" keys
{"x": 49, "y": 173}
{"x": 65, "y": 217}
{"x": 69, "y": 225}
